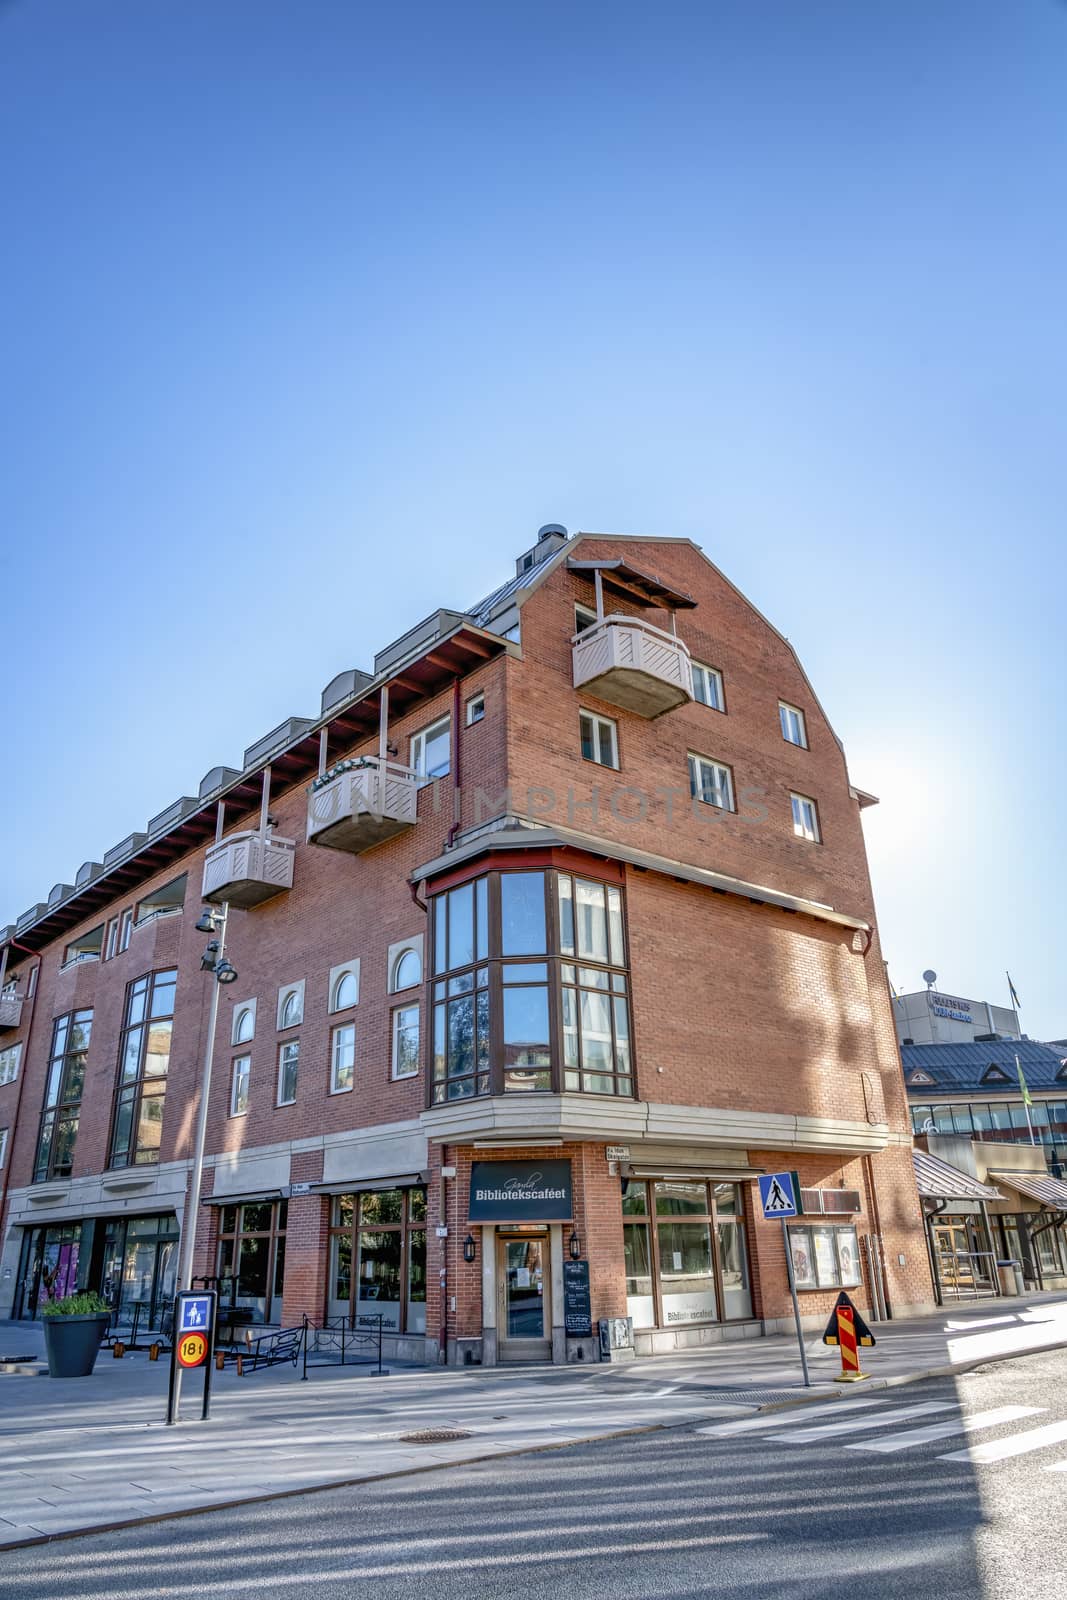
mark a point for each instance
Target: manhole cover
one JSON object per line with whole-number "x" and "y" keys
{"x": 434, "y": 1436}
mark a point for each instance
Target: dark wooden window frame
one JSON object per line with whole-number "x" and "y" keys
{"x": 60, "y": 1106}
{"x": 229, "y": 1283}
{"x": 352, "y": 1230}
{"x": 650, "y": 1221}
{"x": 163, "y": 978}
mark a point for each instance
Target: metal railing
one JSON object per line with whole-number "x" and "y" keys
{"x": 335, "y": 1340}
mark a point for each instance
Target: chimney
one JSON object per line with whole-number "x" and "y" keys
{"x": 550, "y": 538}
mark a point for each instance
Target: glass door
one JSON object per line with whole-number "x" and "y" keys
{"x": 525, "y": 1326}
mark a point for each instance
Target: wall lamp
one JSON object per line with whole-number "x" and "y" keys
{"x": 575, "y": 1245}
{"x": 469, "y": 1248}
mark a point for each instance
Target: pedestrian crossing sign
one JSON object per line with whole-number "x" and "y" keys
{"x": 863, "y": 1334}
{"x": 779, "y": 1194}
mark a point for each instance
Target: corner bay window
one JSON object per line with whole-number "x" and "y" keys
{"x": 144, "y": 1057}
{"x": 378, "y": 1259}
{"x": 530, "y": 989}
{"x": 685, "y": 1253}
{"x": 63, "y": 1096}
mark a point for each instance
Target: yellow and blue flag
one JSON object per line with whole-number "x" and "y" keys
{"x": 1027, "y": 1101}
{"x": 1011, "y": 991}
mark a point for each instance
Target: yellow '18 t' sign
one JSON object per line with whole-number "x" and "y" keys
{"x": 192, "y": 1348}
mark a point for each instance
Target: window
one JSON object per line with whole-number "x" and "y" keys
{"x": 805, "y": 818}
{"x": 87, "y": 947}
{"x": 405, "y": 1041}
{"x": 290, "y": 1005}
{"x": 162, "y": 902}
{"x": 344, "y": 986}
{"x": 475, "y": 709}
{"x": 584, "y": 617}
{"x": 251, "y": 1259}
{"x": 125, "y": 929}
{"x": 244, "y": 1023}
{"x": 707, "y": 686}
{"x": 288, "y": 1063}
{"x": 111, "y": 939}
{"x": 600, "y": 741}
{"x": 596, "y": 1013}
{"x": 9, "y": 1063}
{"x": 685, "y": 1253}
{"x": 3, "y": 1148}
{"x": 242, "y": 1068}
{"x": 431, "y": 751}
{"x": 378, "y": 1260}
{"x": 144, "y": 1059}
{"x": 794, "y": 730}
{"x": 711, "y": 782}
{"x": 825, "y": 1257}
{"x": 408, "y": 970}
{"x": 343, "y": 1059}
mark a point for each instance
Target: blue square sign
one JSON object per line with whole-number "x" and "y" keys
{"x": 194, "y": 1314}
{"x": 779, "y": 1195}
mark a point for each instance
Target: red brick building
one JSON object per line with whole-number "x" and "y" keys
{"x": 551, "y": 934}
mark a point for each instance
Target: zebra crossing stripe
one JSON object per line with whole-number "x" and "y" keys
{"x": 779, "y": 1419}
{"x": 1020, "y": 1444}
{"x": 884, "y": 1420}
{"x": 944, "y": 1430}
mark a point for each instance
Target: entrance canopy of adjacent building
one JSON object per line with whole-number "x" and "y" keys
{"x": 938, "y": 1181}
{"x": 1049, "y": 1192}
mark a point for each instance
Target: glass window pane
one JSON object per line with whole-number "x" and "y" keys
{"x": 416, "y": 1309}
{"x": 596, "y": 1031}
{"x": 526, "y": 1027}
{"x": 440, "y": 939}
{"x": 803, "y": 1258}
{"x": 566, "y": 916}
{"x": 591, "y": 920}
{"x": 635, "y": 1200}
{"x": 163, "y": 996}
{"x": 848, "y": 1256}
{"x": 256, "y": 1218}
{"x": 570, "y": 1028}
{"x": 482, "y": 1046}
{"x": 681, "y": 1199}
{"x": 481, "y": 906}
{"x": 615, "y": 928}
{"x": 461, "y": 926}
{"x": 157, "y": 1055}
{"x": 733, "y": 1258}
{"x": 439, "y": 1022}
{"x": 522, "y": 913}
{"x": 131, "y": 1056}
{"x": 382, "y": 1205}
{"x": 525, "y": 972}
{"x": 461, "y": 1036}
{"x": 639, "y": 1302}
{"x": 378, "y": 1286}
{"x": 687, "y": 1283}
{"x": 826, "y": 1268}
{"x": 416, "y": 1205}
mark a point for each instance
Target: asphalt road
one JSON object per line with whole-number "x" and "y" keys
{"x": 870, "y": 1510}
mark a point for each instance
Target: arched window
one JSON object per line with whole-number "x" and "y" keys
{"x": 291, "y": 1010}
{"x": 408, "y": 970}
{"x": 245, "y": 1026}
{"x": 344, "y": 993}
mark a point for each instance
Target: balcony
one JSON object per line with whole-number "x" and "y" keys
{"x": 629, "y": 663}
{"x": 360, "y": 803}
{"x": 247, "y": 868}
{"x": 10, "y": 1010}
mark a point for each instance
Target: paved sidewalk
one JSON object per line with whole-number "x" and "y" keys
{"x": 95, "y": 1452}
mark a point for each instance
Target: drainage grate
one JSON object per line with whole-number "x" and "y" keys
{"x": 758, "y": 1397}
{"x": 434, "y": 1436}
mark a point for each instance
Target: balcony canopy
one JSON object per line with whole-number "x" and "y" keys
{"x": 634, "y": 584}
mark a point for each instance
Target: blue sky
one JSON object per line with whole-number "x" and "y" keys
{"x": 312, "y": 314}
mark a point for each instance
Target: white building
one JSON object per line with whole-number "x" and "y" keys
{"x": 931, "y": 1016}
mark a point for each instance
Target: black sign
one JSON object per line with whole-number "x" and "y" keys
{"x": 863, "y": 1333}
{"x": 521, "y": 1191}
{"x": 577, "y": 1311}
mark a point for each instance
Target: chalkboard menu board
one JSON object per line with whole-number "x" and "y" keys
{"x": 577, "y": 1316}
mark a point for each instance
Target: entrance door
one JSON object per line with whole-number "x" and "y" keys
{"x": 524, "y": 1328}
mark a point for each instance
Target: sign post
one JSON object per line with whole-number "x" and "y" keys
{"x": 779, "y": 1194}
{"x": 193, "y": 1346}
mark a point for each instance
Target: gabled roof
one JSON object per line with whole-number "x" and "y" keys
{"x": 956, "y": 1067}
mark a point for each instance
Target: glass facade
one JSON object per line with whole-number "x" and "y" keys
{"x": 530, "y": 987}
{"x": 686, "y": 1254}
{"x": 378, "y": 1259}
{"x": 144, "y": 1059}
{"x": 999, "y": 1121}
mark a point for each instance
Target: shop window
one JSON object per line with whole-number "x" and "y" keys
{"x": 63, "y": 1096}
{"x": 825, "y": 1257}
{"x": 139, "y": 1266}
{"x": 378, "y": 1260}
{"x": 559, "y": 1023}
{"x": 144, "y": 1060}
{"x": 251, "y": 1259}
{"x": 685, "y": 1252}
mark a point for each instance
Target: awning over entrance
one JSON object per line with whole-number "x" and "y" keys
{"x": 1047, "y": 1191}
{"x": 938, "y": 1181}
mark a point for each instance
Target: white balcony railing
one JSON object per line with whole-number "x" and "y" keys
{"x": 631, "y": 663}
{"x": 247, "y": 868}
{"x": 359, "y": 803}
{"x": 10, "y": 1010}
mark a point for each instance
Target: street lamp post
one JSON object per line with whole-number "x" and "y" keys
{"x": 213, "y": 961}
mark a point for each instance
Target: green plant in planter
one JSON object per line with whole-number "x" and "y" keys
{"x": 77, "y": 1305}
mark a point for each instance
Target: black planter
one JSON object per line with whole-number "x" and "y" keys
{"x": 72, "y": 1343}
